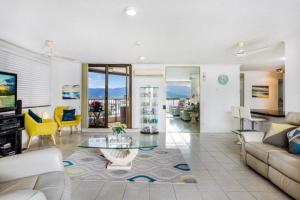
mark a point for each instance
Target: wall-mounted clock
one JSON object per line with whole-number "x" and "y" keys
{"x": 223, "y": 79}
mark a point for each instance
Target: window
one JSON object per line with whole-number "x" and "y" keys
{"x": 178, "y": 91}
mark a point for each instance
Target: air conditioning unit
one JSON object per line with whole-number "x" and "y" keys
{"x": 148, "y": 72}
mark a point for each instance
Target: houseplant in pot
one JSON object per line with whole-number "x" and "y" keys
{"x": 118, "y": 130}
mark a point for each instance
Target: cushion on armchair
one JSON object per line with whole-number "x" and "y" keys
{"x": 35, "y": 116}
{"x": 68, "y": 115}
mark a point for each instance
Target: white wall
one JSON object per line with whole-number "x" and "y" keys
{"x": 292, "y": 74}
{"x": 264, "y": 78}
{"x": 180, "y": 73}
{"x": 216, "y": 99}
{"x": 64, "y": 72}
{"x": 139, "y": 81}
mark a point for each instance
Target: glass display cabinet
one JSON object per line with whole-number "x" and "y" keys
{"x": 149, "y": 110}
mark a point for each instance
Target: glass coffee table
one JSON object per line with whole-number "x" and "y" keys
{"x": 120, "y": 152}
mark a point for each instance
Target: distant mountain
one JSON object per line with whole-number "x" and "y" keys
{"x": 113, "y": 93}
{"x": 175, "y": 92}
{"x": 178, "y": 92}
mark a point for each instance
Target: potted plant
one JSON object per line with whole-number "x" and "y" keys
{"x": 119, "y": 128}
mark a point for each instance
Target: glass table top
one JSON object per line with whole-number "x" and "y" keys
{"x": 135, "y": 142}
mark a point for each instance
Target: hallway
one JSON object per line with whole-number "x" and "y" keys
{"x": 175, "y": 124}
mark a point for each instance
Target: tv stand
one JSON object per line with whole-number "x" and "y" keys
{"x": 11, "y": 126}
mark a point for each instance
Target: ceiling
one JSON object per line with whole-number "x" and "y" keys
{"x": 169, "y": 31}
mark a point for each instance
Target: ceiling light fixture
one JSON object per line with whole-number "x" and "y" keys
{"x": 137, "y": 43}
{"x": 131, "y": 11}
{"x": 240, "y": 49}
{"x": 142, "y": 58}
{"x": 48, "y": 47}
{"x": 283, "y": 58}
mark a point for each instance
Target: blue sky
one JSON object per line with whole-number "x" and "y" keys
{"x": 97, "y": 80}
{"x": 5, "y": 77}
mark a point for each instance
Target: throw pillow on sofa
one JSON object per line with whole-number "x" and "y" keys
{"x": 277, "y": 135}
{"x": 294, "y": 141}
{"x": 68, "y": 115}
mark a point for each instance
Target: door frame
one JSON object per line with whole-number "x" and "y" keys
{"x": 128, "y": 72}
{"x": 201, "y": 77}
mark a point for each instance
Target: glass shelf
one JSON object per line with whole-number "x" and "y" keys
{"x": 149, "y": 108}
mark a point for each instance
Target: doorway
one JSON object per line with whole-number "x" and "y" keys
{"x": 109, "y": 95}
{"x": 183, "y": 99}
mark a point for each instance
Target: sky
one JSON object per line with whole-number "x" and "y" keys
{"x": 5, "y": 77}
{"x": 97, "y": 80}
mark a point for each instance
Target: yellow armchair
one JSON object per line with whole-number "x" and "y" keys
{"x": 58, "y": 114}
{"x": 47, "y": 128}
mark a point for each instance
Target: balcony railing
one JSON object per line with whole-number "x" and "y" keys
{"x": 97, "y": 116}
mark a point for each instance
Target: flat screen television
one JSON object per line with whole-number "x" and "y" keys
{"x": 8, "y": 91}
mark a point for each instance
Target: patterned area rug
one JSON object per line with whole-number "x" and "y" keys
{"x": 150, "y": 165}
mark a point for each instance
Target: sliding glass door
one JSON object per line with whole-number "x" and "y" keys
{"x": 109, "y": 95}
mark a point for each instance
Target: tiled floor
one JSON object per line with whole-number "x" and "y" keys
{"x": 175, "y": 124}
{"x": 215, "y": 162}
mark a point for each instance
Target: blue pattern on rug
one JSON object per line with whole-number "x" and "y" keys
{"x": 183, "y": 167}
{"x": 146, "y": 149}
{"x": 141, "y": 178}
{"x": 67, "y": 163}
{"x": 158, "y": 164}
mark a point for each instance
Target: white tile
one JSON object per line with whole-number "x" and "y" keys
{"x": 187, "y": 192}
{"x": 240, "y": 196}
{"x": 112, "y": 191}
{"x": 207, "y": 185}
{"x": 87, "y": 190}
{"x": 258, "y": 185}
{"x": 202, "y": 174}
{"x": 162, "y": 191}
{"x": 214, "y": 195}
{"x": 270, "y": 196}
{"x": 137, "y": 191}
{"x": 230, "y": 185}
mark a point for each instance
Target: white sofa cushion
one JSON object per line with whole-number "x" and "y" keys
{"x": 54, "y": 185}
{"x": 30, "y": 164}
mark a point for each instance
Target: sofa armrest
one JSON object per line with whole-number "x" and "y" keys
{"x": 252, "y": 136}
{"x": 30, "y": 164}
{"x": 24, "y": 195}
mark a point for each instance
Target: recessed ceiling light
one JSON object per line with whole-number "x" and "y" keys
{"x": 142, "y": 58}
{"x": 131, "y": 11}
{"x": 137, "y": 43}
{"x": 283, "y": 58}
